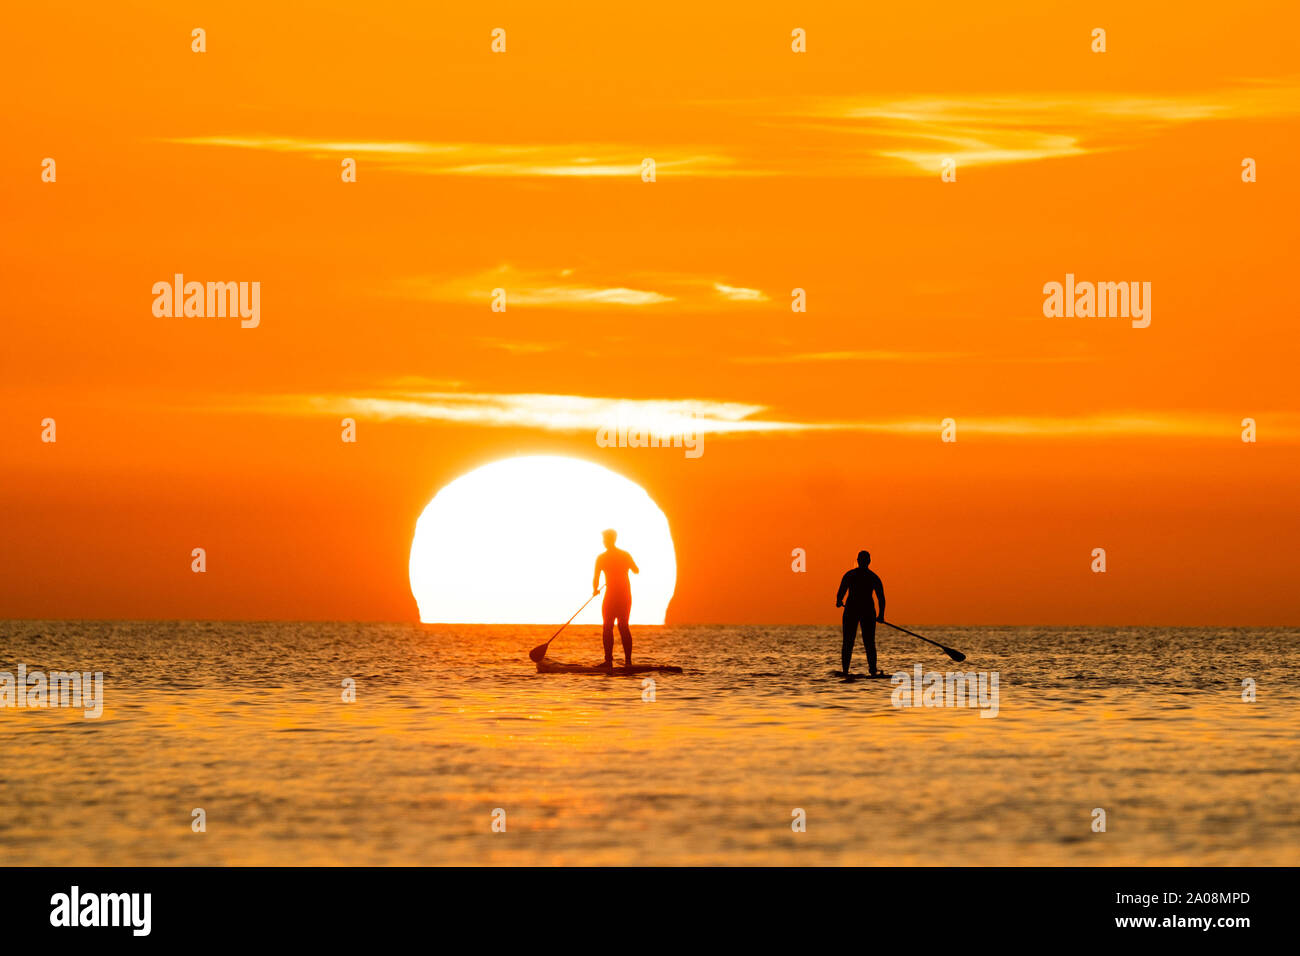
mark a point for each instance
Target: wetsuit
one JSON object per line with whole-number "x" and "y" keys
{"x": 859, "y": 611}
{"x": 616, "y": 563}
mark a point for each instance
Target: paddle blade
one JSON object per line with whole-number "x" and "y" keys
{"x": 538, "y": 652}
{"x": 958, "y": 656}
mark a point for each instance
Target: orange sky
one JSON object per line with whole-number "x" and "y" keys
{"x": 775, "y": 171}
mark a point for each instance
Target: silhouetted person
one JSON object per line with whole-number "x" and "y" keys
{"x": 860, "y": 583}
{"x": 616, "y": 563}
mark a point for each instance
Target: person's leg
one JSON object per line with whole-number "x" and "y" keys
{"x": 869, "y": 641}
{"x": 625, "y": 632}
{"x": 607, "y": 632}
{"x": 621, "y": 611}
{"x": 850, "y": 623}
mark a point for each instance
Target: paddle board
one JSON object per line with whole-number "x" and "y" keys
{"x": 861, "y": 676}
{"x": 556, "y": 667}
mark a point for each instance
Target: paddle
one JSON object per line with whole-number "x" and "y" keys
{"x": 538, "y": 652}
{"x": 958, "y": 656}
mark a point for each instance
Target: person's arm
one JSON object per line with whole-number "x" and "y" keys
{"x": 880, "y": 597}
{"x": 839, "y": 595}
{"x": 632, "y": 564}
{"x": 595, "y": 578}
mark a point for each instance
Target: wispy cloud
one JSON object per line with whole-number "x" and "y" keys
{"x": 739, "y": 294}
{"x": 529, "y": 287}
{"x": 981, "y": 130}
{"x": 579, "y": 413}
{"x": 800, "y": 358}
{"x": 884, "y": 355}
{"x": 508, "y": 160}
{"x": 844, "y": 136}
{"x": 572, "y": 413}
{"x": 569, "y": 288}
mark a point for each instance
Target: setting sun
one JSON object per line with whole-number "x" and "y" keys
{"x": 514, "y": 542}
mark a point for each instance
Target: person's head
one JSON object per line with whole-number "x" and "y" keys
{"x": 609, "y": 536}
{"x": 864, "y": 558}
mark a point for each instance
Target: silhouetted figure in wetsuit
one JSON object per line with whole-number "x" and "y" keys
{"x": 860, "y": 583}
{"x": 616, "y": 563}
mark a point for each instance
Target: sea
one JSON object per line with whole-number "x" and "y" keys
{"x": 221, "y": 743}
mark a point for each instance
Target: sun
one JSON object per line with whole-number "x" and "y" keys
{"x": 515, "y": 542}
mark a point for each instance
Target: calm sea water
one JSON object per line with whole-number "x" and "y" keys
{"x": 246, "y": 721}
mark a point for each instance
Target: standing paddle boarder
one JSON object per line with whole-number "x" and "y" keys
{"x": 615, "y": 562}
{"x": 860, "y": 583}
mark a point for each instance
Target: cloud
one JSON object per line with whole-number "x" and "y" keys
{"x": 566, "y": 288}
{"x": 579, "y": 413}
{"x": 841, "y": 136}
{"x": 799, "y": 358}
{"x": 508, "y": 160}
{"x": 738, "y": 293}
{"x": 982, "y": 130}
{"x": 535, "y": 287}
{"x": 883, "y": 355}
{"x": 573, "y": 413}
